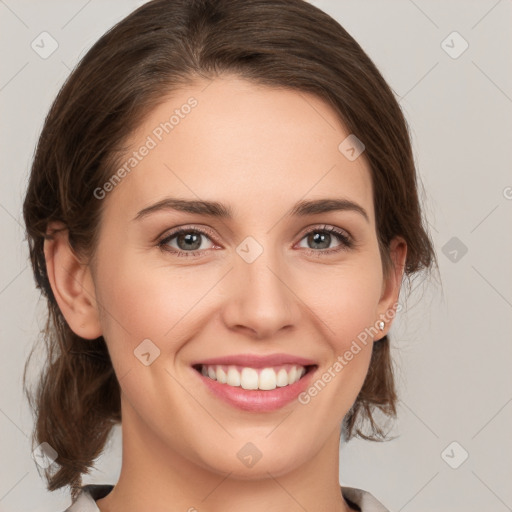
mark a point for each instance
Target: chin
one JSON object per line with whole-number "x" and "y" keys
{"x": 249, "y": 463}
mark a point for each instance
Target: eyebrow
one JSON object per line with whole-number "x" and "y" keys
{"x": 219, "y": 210}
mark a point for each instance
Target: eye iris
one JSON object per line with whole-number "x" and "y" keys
{"x": 320, "y": 238}
{"x": 192, "y": 241}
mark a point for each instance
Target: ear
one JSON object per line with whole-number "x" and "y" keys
{"x": 392, "y": 283}
{"x": 71, "y": 283}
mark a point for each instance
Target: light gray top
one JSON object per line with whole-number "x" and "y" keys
{"x": 360, "y": 500}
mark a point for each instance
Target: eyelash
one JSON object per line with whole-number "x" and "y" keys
{"x": 345, "y": 241}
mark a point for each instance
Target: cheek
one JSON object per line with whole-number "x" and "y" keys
{"x": 136, "y": 303}
{"x": 345, "y": 298}
{"x": 147, "y": 300}
{"x": 139, "y": 303}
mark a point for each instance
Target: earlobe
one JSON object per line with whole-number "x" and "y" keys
{"x": 71, "y": 283}
{"x": 392, "y": 283}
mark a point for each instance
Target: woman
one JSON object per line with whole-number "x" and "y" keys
{"x": 221, "y": 209}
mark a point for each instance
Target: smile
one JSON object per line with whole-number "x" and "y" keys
{"x": 255, "y": 383}
{"x": 254, "y": 378}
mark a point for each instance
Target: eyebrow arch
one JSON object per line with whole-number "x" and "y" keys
{"x": 216, "y": 209}
{"x": 303, "y": 208}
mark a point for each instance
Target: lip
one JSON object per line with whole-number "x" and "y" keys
{"x": 257, "y": 400}
{"x": 257, "y": 361}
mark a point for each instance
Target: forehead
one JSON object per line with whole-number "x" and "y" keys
{"x": 242, "y": 144}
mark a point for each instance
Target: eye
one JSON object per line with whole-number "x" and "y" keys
{"x": 319, "y": 239}
{"x": 190, "y": 241}
{"x": 186, "y": 241}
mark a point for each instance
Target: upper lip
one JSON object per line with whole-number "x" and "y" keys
{"x": 256, "y": 361}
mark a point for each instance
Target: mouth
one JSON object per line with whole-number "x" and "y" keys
{"x": 249, "y": 378}
{"x": 255, "y": 383}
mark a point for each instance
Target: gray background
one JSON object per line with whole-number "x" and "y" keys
{"x": 452, "y": 344}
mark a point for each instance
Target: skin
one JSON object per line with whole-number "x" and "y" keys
{"x": 259, "y": 150}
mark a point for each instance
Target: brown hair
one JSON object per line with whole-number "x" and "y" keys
{"x": 162, "y": 46}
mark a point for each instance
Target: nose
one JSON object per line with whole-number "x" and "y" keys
{"x": 261, "y": 298}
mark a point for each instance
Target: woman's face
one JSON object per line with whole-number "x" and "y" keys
{"x": 272, "y": 278}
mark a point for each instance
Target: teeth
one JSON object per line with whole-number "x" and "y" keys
{"x": 221, "y": 375}
{"x": 292, "y": 374}
{"x": 282, "y": 378}
{"x": 267, "y": 379}
{"x": 233, "y": 377}
{"x": 251, "y": 378}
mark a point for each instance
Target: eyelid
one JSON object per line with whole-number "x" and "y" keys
{"x": 325, "y": 227}
{"x": 187, "y": 227}
{"x": 344, "y": 237}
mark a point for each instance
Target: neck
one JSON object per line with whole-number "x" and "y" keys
{"x": 155, "y": 477}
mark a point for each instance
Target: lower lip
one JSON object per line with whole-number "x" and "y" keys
{"x": 257, "y": 400}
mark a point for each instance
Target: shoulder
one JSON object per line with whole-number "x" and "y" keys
{"x": 86, "y": 499}
{"x": 362, "y": 501}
